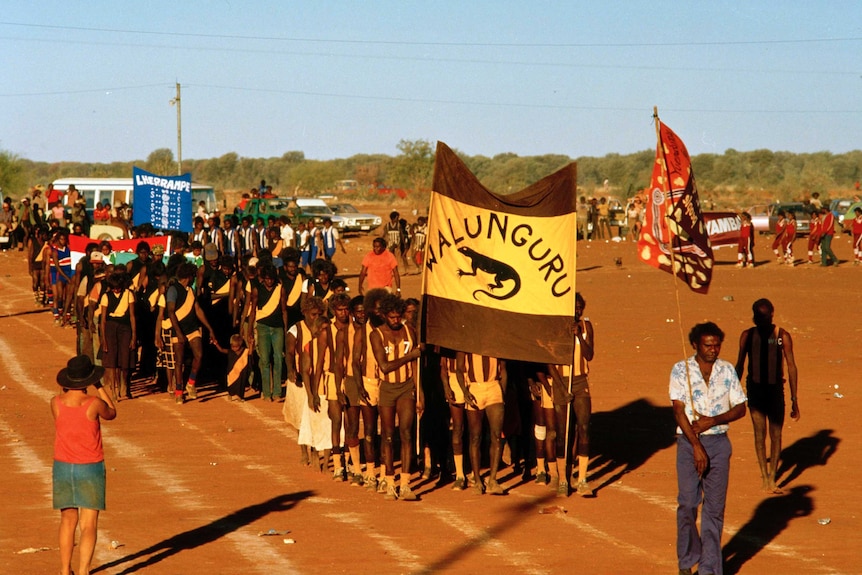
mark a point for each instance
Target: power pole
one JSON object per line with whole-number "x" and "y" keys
{"x": 176, "y": 101}
{"x": 179, "y": 134}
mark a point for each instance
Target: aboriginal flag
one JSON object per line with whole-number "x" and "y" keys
{"x": 499, "y": 271}
{"x": 674, "y": 236}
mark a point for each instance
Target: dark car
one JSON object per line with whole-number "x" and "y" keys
{"x": 800, "y": 210}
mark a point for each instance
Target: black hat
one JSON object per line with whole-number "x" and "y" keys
{"x": 79, "y": 373}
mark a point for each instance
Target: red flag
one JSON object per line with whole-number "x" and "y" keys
{"x": 674, "y": 236}
{"x": 499, "y": 277}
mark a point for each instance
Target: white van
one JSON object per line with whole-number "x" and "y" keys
{"x": 98, "y": 190}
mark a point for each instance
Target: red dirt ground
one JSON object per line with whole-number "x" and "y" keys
{"x": 190, "y": 487}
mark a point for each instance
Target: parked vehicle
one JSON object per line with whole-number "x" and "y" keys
{"x": 722, "y": 228}
{"x": 299, "y": 210}
{"x": 764, "y": 216}
{"x": 849, "y": 215}
{"x": 316, "y": 209}
{"x": 803, "y": 217}
{"x": 760, "y": 217}
{"x": 842, "y": 209}
{"x": 113, "y": 190}
{"x": 354, "y": 220}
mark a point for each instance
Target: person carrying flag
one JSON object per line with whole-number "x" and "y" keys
{"x": 706, "y": 396}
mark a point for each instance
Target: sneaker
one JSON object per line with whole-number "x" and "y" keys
{"x": 494, "y": 488}
{"x": 339, "y": 475}
{"x": 542, "y": 478}
{"x": 584, "y": 490}
{"x": 739, "y": 264}
{"x": 460, "y": 484}
{"x": 179, "y": 399}
{"x": 408, "y": 494}
{"x": 563, "y": 488}
{"x": 391, "y": 493}
{"x": 383, "y": 486}
{"x": 369, "y": 482}
{"x": 356, "y": 480}
{"x": 192, "y": 391}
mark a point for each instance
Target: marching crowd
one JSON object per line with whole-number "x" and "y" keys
{"x": 235, "y": 308}
{"x": 259, "y": 310}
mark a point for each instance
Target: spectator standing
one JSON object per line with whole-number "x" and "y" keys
{"x": 856, "y": 228}
{"x": 634, "y": 213}
{"x": 583, "y": 217}
{"x": 392, "y": 232}
{"x": 380, "y": 267}
{"x": 594, "y": 219}
{"x": 288, "y": 235}
{"x": 52, "y": 196}
{"x": 330, "y": 238}
{"x": 827, "y": 224}
{"x": 420, "y": 237}
{"x": 604, "y": 209}
{"x": 79, "y": 460}
{"x": 6, "y": 216}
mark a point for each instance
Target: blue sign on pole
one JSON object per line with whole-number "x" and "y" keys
{"x": 164, "y": 201}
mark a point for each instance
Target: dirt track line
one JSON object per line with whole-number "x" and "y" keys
{"x": 523, "y": 562}
{"x": 258, "y": 553}
{"x": 605, "y": 537}
{"x": 405, "y": 558}
{"x": 27, "y": 459}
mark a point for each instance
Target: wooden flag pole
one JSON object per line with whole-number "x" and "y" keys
{"x": 570, "y": 406}
{"x": 673, "y": 267}
{"x": 422, "y": 330}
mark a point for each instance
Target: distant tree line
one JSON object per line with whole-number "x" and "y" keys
{"x": 730, "y": 179}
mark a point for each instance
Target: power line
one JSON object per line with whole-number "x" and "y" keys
{"x": 480, "y": 61}
{"x": 438, "y": 44}
{"x": 440, "y": 101}
{"x": 83, "y": 91}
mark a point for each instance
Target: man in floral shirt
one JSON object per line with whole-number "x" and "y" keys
{"x": 706, "y": 396}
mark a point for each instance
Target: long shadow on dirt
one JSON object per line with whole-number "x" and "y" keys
{"x": 806, "y": 453}
{"x": 771, "y": 517}
{"x": 205, "y": 534}
{"x": 625, "y": 438}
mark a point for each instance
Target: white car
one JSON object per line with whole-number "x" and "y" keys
{"x": 354, "y": 220}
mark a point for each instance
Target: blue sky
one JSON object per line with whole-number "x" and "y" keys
{"x": 92, "y": 81}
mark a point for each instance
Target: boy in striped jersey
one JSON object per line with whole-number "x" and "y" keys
{"x": 396, "y": 349}
{"x": 484, "y": 385}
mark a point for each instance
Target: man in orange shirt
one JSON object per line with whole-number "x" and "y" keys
{"x": 380, "y": 267}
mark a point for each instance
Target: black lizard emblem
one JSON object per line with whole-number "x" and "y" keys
{"x": 498, "y": 269}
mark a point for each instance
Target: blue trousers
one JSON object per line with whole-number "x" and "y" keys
{"x": 270, "y": 349}
{"x": 704, "y": 548}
